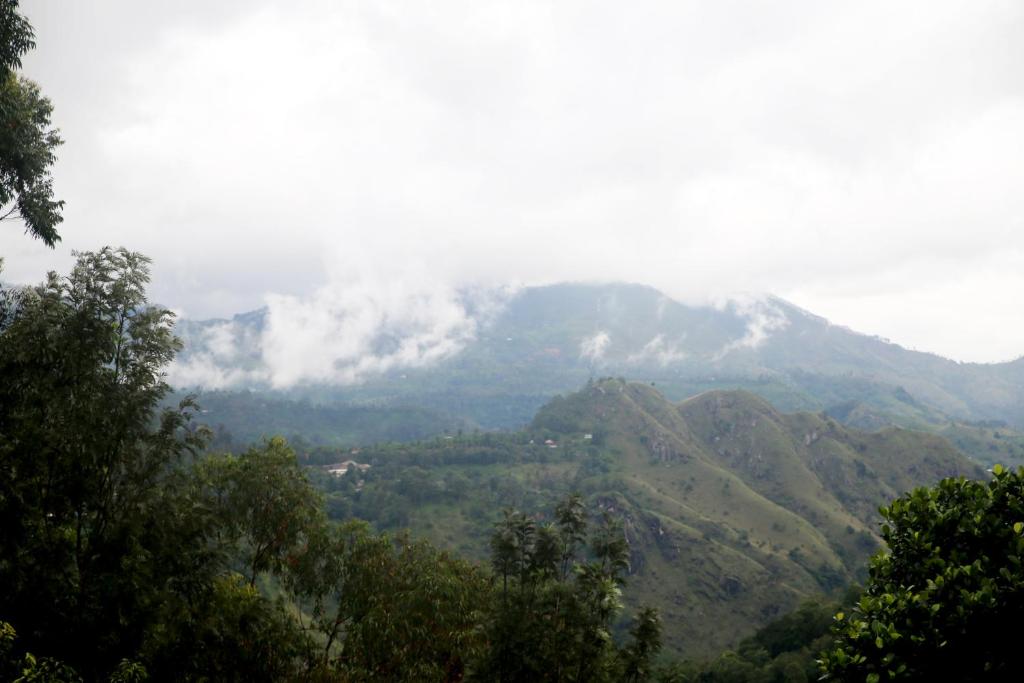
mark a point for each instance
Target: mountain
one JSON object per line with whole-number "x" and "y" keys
{"x": 548, "y": 340}
{"x": 734, "y": 511}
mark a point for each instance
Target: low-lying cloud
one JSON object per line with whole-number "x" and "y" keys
{"x": 763, "y": 318}
{"x": 352, "y": 329}
{"x": 345, "y": 332}
{"x": 702, "y": 148}
{"x": 592, "y": 348}
{"x": 659, "y": 351}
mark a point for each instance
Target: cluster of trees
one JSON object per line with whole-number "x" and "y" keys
{"x": 127, "y": 551}
{"x": 786, "y": 650}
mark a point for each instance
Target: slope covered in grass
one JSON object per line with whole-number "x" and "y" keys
{"x": 734, "y": 511}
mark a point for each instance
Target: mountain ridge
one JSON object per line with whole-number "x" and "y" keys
{"x": 735, "y": 511}
{"x": 547, "y": 340}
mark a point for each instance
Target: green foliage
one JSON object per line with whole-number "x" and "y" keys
{"x": 554, "y": 616}
{"x": 784, "y": 650}
{"x": 265, "y": 503}
{"x": 944, "y": 602}
{"x": 734, "y": 512}
{"x": 89, "y": 466}
{"x": 637, "y": 658}
{"x": 389, "y": 609}
{"x": 27, "y": 140}
{"x": 314, "y": 430}
{"x": 231, "y": 633}
{"x": 121, "y": 556}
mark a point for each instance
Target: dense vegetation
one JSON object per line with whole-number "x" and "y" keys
{"x": 532, "y": 348}
{"x": 132, "y": 549}
{"x": 239, "y": 418}
{"x": 128, "y": 551}
{"x": 945, "y": 602}
{"x": 734, "y": 512}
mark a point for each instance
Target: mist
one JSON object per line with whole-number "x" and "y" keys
{"x": 352, "y": 166}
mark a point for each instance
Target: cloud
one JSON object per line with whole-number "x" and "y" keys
{"x": 657, "y": 350}
{"x": 218, "y": 356}
{"x": 763, "y": 318}
{"x": 365, "y": 323}
{"x": 345, "y": 332}
{"x": 592, "y": 348}
{"x": 855, "y": 158}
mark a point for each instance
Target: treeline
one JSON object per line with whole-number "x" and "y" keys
{"x": 240, "y": 418}
{"x": 128, "y": 552}
{"x": 479, "y": 471}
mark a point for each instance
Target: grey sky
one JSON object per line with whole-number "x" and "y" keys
{"x": 863, "y": 160}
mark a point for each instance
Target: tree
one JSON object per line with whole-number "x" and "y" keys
{"x": 27, "y": 139}
{"x": 553, "y": 617}
{"x": 108, "y": 550}
{"x": 390, "y": 609}
{"x": 638, "y": 657}
{"x": 265, "y": 501}
{"x": 944, "y": 602}
{"x": 86, "y": 458}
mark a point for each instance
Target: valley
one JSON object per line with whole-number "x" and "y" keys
{"x": 734, "y": 512}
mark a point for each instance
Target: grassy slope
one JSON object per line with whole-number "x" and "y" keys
{"x": 734, "y": 511}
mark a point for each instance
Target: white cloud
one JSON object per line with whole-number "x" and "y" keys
{"x": 592, "y": 348}
{"x": 856, "y": 158}
{"x": 215, "y": 358}
{"x": 763, "y": 318}
{"x": 658, "y": 350}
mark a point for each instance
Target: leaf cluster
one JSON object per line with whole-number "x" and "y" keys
{"x": 945, "y": 601}
{"x": 28, "y": 141}
{"x": 552, "y": 620}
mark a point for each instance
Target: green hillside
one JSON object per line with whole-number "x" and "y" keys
{"x": 549, "y": 340}
{"x": 734, "y": 511}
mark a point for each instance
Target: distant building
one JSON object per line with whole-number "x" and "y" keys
{"x": 341, "y": 468}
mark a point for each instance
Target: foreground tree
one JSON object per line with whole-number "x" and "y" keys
{"x": 106, "y": 551}
{"x": 389, "y": 609}
{"x": 85, "y": 456}
{"x": 945, "y": 602}
{"x": 27, "y": 139}
{"x": 265, "y": 504}
{"x": 553, "y": 617}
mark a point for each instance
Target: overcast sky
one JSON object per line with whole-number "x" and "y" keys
{"x": 863, "y": 160}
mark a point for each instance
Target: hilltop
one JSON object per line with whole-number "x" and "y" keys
{"x": 734, "y": 511}
{"x": 543, "y": 341}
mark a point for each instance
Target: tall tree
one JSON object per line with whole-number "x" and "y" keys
{"x": 28, "y": 141}
{"x": 390, "y": 609}
{"x": 552, "y": 619}
{"x": 93, "y": 535}
{"x": 266, "y": 504}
